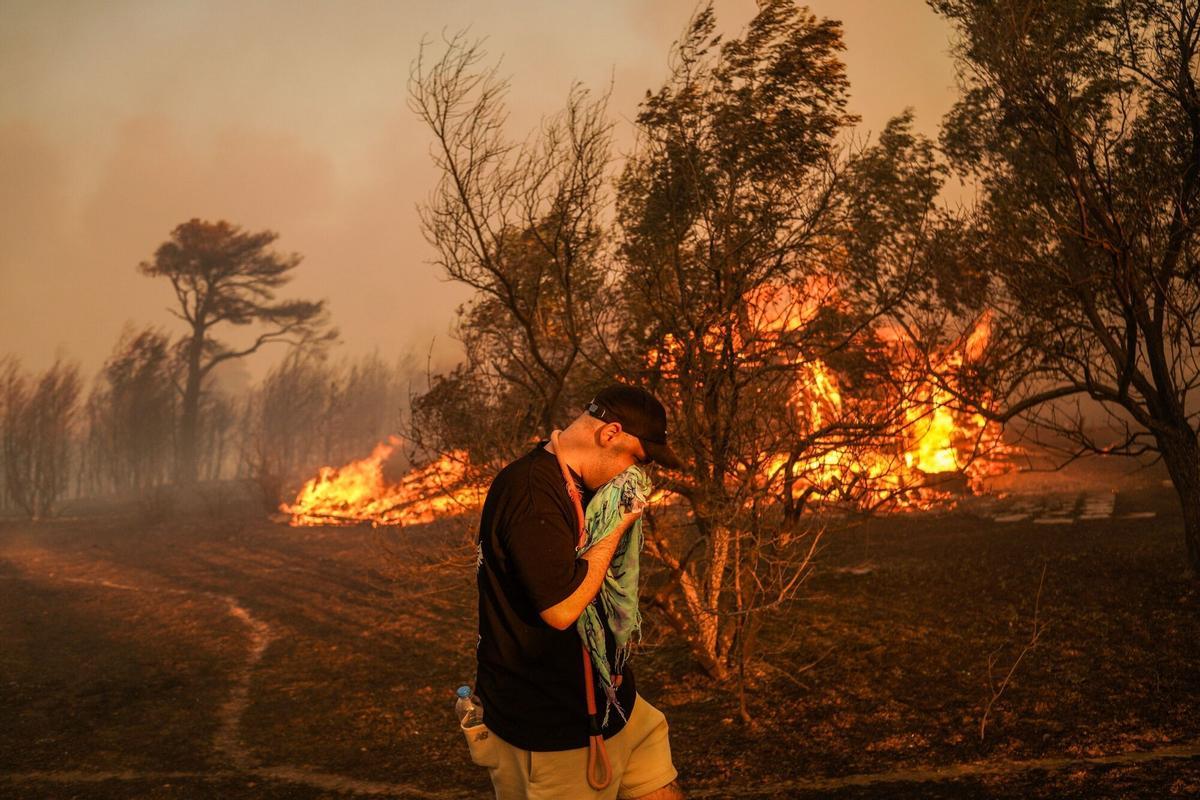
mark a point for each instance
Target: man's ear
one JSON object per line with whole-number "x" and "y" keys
{"x": 609, "y": 432}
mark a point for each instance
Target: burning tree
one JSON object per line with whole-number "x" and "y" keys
{"x": 763, "y": 263}
{"x": 1081, "y": 119}
{"x": 224, "y": 276}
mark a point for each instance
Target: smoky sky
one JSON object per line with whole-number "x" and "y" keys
{"x": 120, "y": 120}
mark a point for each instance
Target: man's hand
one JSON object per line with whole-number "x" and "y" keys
{"x": 563, "y": 614}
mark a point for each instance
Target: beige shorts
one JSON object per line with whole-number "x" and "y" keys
{"x": 640, "y": 755}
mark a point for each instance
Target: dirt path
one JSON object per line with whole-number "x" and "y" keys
{"x": 294, "y": 775}
{"x": 228, "y": 740}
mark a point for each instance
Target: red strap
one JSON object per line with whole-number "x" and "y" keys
{"x": 572, "y": 489}
{"x": 599, "y": 770}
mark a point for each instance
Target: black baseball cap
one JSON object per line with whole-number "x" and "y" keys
{"x": 640, "y": 415}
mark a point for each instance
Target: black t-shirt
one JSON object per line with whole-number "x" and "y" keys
{"x": 529, "y": 675}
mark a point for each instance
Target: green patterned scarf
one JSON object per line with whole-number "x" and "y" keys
{"x": 626, "y": 492}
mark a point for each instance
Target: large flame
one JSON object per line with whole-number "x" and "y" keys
{"x": 359, "y": 492}
{"x": 935, "y": 437}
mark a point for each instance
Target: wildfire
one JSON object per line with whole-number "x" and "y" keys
{"x": 933, "y": 439}
{"x": 359, "y": 492}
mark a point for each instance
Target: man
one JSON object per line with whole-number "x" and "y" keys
{"x": 532, "y": 589}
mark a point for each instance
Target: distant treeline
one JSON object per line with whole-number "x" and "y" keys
{"x": 120, "y": 438}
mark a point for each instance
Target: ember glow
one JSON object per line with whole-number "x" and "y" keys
{"x": 359, "y": 492}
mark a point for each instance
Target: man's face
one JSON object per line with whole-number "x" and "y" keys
{"x": 618, "y": 450}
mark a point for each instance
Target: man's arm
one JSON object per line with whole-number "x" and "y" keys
{"x": 563, "y": 614}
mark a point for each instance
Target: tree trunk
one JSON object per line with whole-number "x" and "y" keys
{"x": 704, "y": 641}
{"x": 1190, "y": 498}
{"x": 1181, "y": 454}
{"x": 185, "y": 472}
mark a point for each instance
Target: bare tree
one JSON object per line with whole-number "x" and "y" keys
{"x": 996, "y": 689}
{"x": 308, "y": 413}
{"x": 12, "y": 389}
{"x": 37, "y": 414}
{"x": 282, "y": 422}
{"x": 217, "y": 418}
{"x": 1081, "y": 120}
{"x": 131, "y": 415}
{"x": 520, "y": 224}
{"x": 364, "y": 405}
{"x": 225, "y": 277}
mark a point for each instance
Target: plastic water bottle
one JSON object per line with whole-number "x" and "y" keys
{"x": 468, "y": 708}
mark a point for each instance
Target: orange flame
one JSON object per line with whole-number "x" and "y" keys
{"x": 359, "y": 492}
{"x": 934, "y": 438}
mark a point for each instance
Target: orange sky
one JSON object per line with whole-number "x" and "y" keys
{"x": 120, "y": 120}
